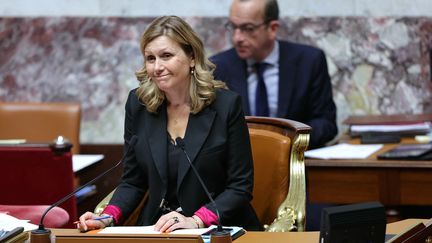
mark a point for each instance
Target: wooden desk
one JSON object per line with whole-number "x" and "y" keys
{"x": 313, "y": 236}
{"x": 249, "y": 237}
{"x": 392, "y": 182}
{"x": 275, "y": 237}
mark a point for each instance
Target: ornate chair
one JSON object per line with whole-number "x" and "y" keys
{"x": 279, "y": 195}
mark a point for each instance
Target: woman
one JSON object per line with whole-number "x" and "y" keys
{"x": 178, "y": 98}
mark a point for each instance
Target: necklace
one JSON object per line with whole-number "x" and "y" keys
{"x": 178, "y": 117}
{"x": 177, "y": 113}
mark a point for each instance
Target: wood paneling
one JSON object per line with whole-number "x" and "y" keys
{"x": 391, "y": 186}
{"x": 416, "y": 187}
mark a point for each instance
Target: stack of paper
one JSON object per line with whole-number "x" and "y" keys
{"x": 400, "y": 129}
{"x": 234, "y": 231}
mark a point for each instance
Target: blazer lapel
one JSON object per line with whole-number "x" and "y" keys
{"x": 198, "y": 129}
{"x": 287, "y": 76}
{"x": 157, "y": 140}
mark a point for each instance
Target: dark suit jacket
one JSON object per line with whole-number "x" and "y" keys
{"x": 217, "y": 142}
{"x": 305, "y": 91}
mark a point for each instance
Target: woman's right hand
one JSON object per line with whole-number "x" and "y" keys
{"x": 88, "y": 221}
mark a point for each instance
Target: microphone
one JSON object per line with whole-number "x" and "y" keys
{"x": 220, "y": 230}
{"x": 41, "y": 229}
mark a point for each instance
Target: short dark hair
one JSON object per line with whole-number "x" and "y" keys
{"x": 271, "y": 11}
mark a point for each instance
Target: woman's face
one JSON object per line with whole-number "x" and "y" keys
{"x": 167, "y": 64}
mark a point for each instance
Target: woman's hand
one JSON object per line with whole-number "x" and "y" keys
{"x": 173, "y": 220}
{"x": 89, "y": 221}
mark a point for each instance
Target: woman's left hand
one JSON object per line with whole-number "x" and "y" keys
{"x": 173, "y": 220}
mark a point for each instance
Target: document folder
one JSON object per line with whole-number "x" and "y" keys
{"x": 408, "y": 152}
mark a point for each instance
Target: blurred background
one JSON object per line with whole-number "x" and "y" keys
{"x": 86, "y": 51}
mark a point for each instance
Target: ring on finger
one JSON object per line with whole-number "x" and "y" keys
{"x": 176, "y": 219}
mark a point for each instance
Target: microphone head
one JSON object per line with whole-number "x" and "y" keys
{"x": 180, "y": 142}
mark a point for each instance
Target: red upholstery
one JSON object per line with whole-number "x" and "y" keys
{"x": 56, "y": 218}
{"x": 36, "y": 176}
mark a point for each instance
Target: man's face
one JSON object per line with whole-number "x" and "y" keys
{"x": 252, "y": 38}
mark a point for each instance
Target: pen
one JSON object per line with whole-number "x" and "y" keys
{"x": 103, "y": 217}
{"x": 97, "y": 218}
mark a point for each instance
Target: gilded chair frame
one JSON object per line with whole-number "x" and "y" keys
{"x": 291, "y": 213}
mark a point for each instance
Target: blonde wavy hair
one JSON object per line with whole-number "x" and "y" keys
{"x": 202, "y": 84}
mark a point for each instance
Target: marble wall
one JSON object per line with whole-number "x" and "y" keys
{"x": 378, "y": 65}
{"x": 211, "y": 8}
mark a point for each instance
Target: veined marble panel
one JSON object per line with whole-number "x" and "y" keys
{"x": 211, "y": 8}
{"x": 377, "y": 65}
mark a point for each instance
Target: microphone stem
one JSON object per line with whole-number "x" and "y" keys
{"x": 219, "y": 226}
{"x": 132, "y": 142}
{"x": 75, "y": 191}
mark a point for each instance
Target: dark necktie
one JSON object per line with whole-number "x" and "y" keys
{"x": 261, "y": 101}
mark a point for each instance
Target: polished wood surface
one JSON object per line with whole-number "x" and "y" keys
{"x": 400, "y": 226}
{"x": 276, "y": 237}
{"x": 313, "y": 237}
{"x": 73, "y": 235}
{"x": 392, "y": 182}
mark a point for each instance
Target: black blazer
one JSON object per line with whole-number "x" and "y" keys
{"x": 217, "y": 142}
{"x": 305, "y": 91}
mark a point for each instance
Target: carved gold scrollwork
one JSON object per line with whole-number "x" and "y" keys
{"x": 291, "y": 213}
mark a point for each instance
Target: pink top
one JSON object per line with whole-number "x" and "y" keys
{"x": 207, "y": 216}
{"x": 115, "y": 212}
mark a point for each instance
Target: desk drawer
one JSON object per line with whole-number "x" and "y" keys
{"x": 344, "y": 185}
{"x": 416, "y": 187}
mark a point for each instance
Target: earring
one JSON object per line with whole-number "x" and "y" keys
{"x": 192, "y": 71}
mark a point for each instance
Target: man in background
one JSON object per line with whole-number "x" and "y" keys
{"x": 276, "y": 78}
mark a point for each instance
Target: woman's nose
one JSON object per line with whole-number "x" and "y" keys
{"x": 158, "y": 66}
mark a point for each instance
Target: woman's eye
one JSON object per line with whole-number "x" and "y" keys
{"x": 166, "y": 55}
{"x": 150, "y": 58}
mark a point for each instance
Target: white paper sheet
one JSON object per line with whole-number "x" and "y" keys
{"x": 80, "y": 161}
{"x": 344, "y": 151}
{"x": 148, "y": 230}
{"x": 392, "y": 128}
{"x": 8, "y": 223}
{"x": 12, "y": 141}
